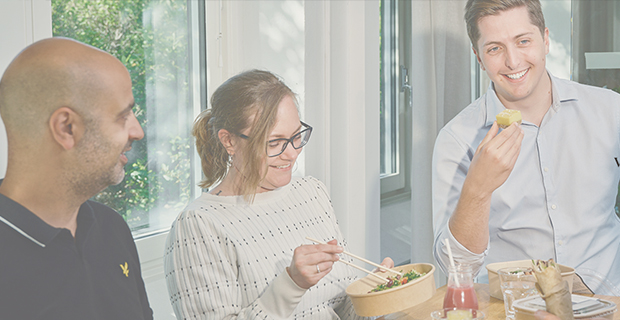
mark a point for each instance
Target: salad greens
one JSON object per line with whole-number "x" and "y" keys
{"x": 397, "y": 280}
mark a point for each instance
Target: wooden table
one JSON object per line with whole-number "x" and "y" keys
{"x": 492, "y": 308}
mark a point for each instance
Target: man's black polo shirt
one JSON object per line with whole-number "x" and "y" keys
{"x": 45, "y": 273}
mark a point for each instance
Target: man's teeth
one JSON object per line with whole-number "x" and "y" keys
{"x": 284, "y": 166}
{"x": 516, "y": 76}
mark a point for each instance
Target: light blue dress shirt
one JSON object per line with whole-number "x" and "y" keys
{"x": 558, "y": 202}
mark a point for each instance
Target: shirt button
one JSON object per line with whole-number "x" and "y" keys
{"x": 546, "y": 169}
{"x": 560, "y": 242}
{"x": 553, "y": 206}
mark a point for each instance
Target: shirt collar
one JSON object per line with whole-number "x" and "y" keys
{"x": 29, "y": 225}
{"x": 561, "y": 93}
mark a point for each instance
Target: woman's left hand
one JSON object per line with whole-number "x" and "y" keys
{"x": 388, "y": 263}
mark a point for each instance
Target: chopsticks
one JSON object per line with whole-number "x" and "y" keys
{"x": 362, "y": 259}
{"x": 367, "y": 271}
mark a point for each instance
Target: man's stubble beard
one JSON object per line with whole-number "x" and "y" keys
{"x": 89, "y": 176}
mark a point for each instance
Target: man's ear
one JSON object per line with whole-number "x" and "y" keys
{"x": 66, "y": 127}
{"x": 478, "y": 58}
{"x": 226, "y": 140}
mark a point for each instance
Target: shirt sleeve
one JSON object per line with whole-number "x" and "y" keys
{"x": 202, "y": 277}
{"x": 459, "y": 253}
{"x": 451, "y": 160}
{"x": 281, "y": 296}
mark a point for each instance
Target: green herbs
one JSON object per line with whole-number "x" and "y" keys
{"x": 541, "y": 265}
{"x": 397, "y": 280}
{"x": 521, "y": 271}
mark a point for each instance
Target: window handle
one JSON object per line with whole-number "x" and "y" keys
{"x": 404, "y": 84}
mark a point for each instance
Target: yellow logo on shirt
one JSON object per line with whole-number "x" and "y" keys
{"x": 125, "y": 269}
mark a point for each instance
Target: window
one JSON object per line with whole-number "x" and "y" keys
{"x": 596, "y": 47}
{"x": 395, "y": 130}
{"x": 393, "y": 87}
{"x": 152, "y": 39}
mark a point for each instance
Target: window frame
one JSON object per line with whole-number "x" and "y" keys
{"x": 395, "y": 83}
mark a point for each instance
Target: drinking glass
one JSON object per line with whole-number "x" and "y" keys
{"x": 516, "y": 283}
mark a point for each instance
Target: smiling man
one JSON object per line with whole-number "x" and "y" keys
{"x": 543, "y": 189}
{"x": 67, "y": 108}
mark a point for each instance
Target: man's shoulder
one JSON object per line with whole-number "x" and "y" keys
{"x": 466, "y": 125}
{"x": 108, "y": 218}
{"x": 569, "y": 89}
{"x": 102, "y": 211}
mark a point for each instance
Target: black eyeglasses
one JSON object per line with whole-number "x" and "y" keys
{"x": 275, "y": 147}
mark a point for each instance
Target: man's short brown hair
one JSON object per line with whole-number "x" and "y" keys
{"x": 478, "y": 9}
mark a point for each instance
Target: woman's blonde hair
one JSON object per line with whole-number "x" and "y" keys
{"x": 253, "y": 94}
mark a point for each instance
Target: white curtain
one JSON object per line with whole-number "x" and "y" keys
{"x": 441, "y": 80}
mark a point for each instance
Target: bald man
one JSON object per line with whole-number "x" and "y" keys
{"x": 67, "y": 108}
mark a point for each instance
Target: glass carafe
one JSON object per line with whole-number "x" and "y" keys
{"x": 460, "y": 291}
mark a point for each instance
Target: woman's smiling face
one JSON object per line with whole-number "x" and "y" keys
{"x": 280, "y": 168}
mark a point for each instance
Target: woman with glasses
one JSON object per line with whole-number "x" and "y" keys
{"x": 239, "y": 250}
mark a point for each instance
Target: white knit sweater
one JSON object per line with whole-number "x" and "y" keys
{"x": 227, "y": 259}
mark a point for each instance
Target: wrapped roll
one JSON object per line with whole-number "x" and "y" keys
{"x": 553, "y": 289}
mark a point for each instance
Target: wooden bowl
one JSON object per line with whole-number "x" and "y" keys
{"x": 494, "y": 288}
{"x": 395, "y": 299}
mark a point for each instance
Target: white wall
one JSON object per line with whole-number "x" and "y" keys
{"x": 22, "y": 22}
{"x": 354, "y": 161}
{"x": 268, "y": 35}
{"x": 151, "y": 251}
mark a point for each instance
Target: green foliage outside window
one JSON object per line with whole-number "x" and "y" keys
{"x": 161, "y": 177}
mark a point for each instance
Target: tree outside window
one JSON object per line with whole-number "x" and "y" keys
{"x": 150, "y": 37}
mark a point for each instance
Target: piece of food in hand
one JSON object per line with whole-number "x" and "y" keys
{"x": 459, "y": 315}
{"x": 507, "y": 117}
{"x": 397, "y": 280}
{"x": 553, "y": 289}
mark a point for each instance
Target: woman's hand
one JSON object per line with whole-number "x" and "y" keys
{"x": 388, "y": 263}
{"x": 312, "y": 262}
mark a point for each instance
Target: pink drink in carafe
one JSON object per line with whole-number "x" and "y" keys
{"x": 460, "y": 298}
{"x": 460, "y": 292}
